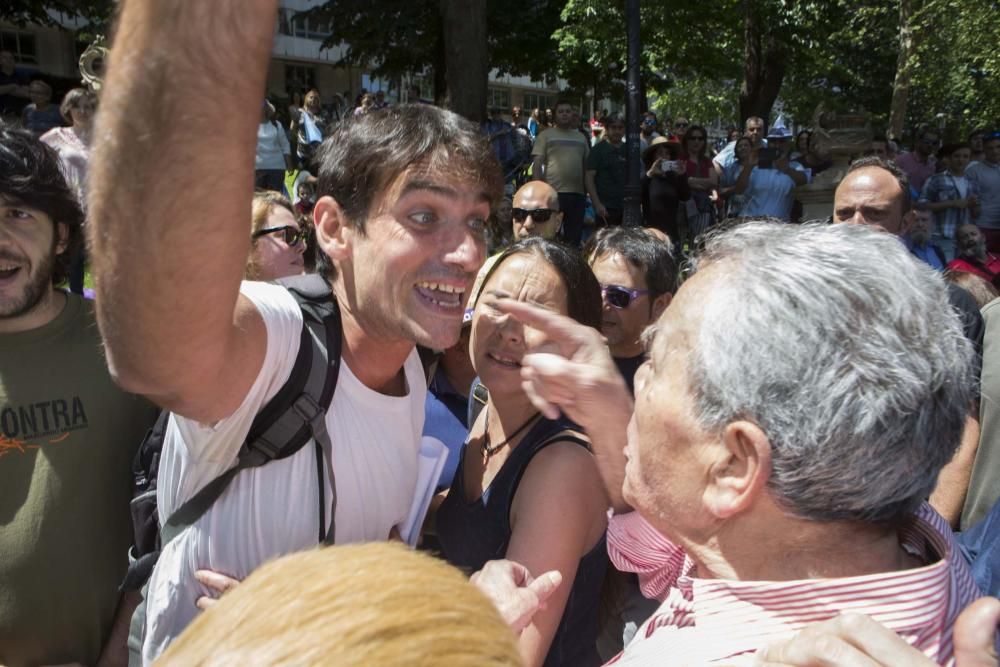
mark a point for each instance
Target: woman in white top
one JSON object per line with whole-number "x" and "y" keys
{"x": 73, "y": 145}
{"x": 309, "y": 127}
{"x": 274, "y": 155}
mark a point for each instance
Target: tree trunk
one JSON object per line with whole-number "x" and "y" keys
{"x": 764, "y": 64}
{"x": 466, "y": 59}
{"x": 904, "y": 64}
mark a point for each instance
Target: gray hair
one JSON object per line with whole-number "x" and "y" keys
{"x": 844, "y": 350}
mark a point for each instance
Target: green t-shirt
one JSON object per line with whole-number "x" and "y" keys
{"x": 563, "y": 153}
{"x": 608, "y": 163}
{"x": 67, "y": 437}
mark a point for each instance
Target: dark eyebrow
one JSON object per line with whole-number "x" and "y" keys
{"x": 417, "y": 185}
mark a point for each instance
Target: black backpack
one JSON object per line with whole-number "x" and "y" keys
{"x": 282, "y": 427}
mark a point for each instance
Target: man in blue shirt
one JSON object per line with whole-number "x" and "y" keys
{"x": 918, "y": 240}
{"x": 768, "y": 179}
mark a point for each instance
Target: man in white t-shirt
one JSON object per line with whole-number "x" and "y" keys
{"x": 403, "y": 199}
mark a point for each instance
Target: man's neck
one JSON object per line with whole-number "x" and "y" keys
{"x": 376, "y": 362}
{"x": 798, "y": 549}
{"x": 47, "y": 309}
{"x": 626, "y": 351}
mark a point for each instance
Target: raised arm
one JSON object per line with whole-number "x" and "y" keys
{"x": 170, "y": 200}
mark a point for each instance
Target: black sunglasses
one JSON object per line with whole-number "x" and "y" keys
{"x": 538, "y": 214}
{"x": 290, "y": 235}
{"x": 620, "y": 297}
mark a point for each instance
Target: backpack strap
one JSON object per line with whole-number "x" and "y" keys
{"x": 296, "y": 414}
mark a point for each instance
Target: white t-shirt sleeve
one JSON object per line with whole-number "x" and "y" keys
{"x": 207, "y": 450}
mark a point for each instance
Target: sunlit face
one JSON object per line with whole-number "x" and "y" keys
{"x": 28, "y": 247}
{"x": 415, "y": 262}
{"x": 870, "y": 196}
{"x": 623, "y": 326}
{"x": 312, "y": 101}
{"x": 755, "y": 131}
{"x": 499, "y": 341}
{"x": 272, "y": 256}
{"x": 959, "y": 160}
{"x": 533, "y": 197}
{"x": 666, "y": 471}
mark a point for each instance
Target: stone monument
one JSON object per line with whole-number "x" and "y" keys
{"x": 841, "y": 137}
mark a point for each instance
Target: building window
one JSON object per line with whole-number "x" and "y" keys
{"x": 498, "y": 98}
{"x": 536, "y": 101}
{"x": 21, "y": 44}
{"x": 302, "y": 24}
{"x": 300, "y": 78}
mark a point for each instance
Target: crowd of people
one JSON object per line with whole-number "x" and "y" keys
{"x": 718, "y": 437}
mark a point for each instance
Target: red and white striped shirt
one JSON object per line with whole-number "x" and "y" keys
{"x": 708, "y": 620}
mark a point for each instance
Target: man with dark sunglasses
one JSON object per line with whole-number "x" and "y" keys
{"x": 536, "y": 211}
{"x": 638, "y": 275}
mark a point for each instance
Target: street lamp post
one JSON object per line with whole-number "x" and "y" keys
{"x": 633, "y": 189}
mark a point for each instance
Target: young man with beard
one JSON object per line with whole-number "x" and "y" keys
{"x": 67, "y": 433}
{"x": 403, "y": 198}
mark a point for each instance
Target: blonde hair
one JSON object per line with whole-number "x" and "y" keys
{"x": 982, "y": 291}
{"x": 361, "y": 604}
{"x": 264, "y": 202}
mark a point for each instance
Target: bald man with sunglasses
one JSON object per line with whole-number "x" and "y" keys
{"x": 536, "y": 211}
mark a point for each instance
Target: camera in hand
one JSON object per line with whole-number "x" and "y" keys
{"x": 766, "y": 157}
{"x": 668, "y": 166}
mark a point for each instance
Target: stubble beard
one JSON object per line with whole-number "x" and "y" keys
{"x": 34, "y": 292}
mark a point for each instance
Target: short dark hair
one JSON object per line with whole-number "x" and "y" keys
{"x": 583, "y": 292}
{"x": 30, "y": 176}
{"x": 892, "y": 168}
{"x": 640, "y": 249}
{"x": 366, "y": 153}
{"x": 949, "y": 149}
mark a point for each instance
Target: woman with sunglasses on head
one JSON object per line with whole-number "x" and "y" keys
{"x": 702, "y": 180}
{"x": 527, "y": 488}
{"x": 277, "y": 239}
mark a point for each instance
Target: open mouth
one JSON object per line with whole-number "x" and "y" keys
{"x": 504, "y": 360}
{"x": 441, "y": 295}
{"x": 8, "y": 271}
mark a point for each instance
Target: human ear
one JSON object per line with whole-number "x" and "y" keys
{"x": 739, "y": 476}
{"x": 333, "y": 229}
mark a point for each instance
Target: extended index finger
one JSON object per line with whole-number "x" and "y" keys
{"x": 551, "y": 323}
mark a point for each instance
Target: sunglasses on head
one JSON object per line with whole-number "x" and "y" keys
{"x": 620, "y": 297}
{"x": 290, "y": 235}
{"x": 537, "y": 214}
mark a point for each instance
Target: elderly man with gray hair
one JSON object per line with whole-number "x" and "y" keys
{"x": 783, "y": 442}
